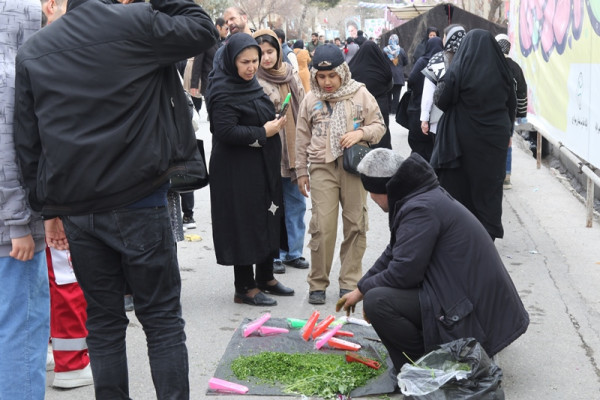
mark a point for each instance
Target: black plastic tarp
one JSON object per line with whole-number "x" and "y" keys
{"x": 293, "y": 343}
{"x": 412, "y": 32}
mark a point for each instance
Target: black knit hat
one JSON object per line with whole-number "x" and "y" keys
{"x": 327, "y": 57}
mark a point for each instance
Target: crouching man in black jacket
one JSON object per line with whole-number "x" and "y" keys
{"x": 101, "y": 123}
{"x": 440, "y": 277}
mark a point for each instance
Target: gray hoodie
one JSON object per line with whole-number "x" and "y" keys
{"x": 19, "y": 19}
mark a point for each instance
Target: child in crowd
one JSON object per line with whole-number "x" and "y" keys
{"x": 337, "y": 113}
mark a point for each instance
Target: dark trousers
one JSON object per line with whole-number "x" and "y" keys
{"x": 133, "y": 246}
{"x": 187, "y": 204}
{"x": 244, "y": 279}
{"x": 417, "y": 140}
{"x": 395, "y": 98}
{"x": 396, "y": 317}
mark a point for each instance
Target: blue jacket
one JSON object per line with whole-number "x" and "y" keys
{"x": 398, "y": 69}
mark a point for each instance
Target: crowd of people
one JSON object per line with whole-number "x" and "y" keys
{"x": 81, "y": 233}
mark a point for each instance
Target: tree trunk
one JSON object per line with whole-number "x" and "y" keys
{"x": 302, "y": 19}
{"x": 494, "y": 7}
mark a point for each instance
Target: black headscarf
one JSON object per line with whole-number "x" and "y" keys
{"x": 371, "y": 67}
{"x": 433, "y": 46}
{"x": 479, "y": 63}
{"x": 226, "y": 86}
{"x": 436, "y": 67}
{"x": 420, "y": 49}
{"x": 298, "y": 44}
{"x": 415, "y": 79}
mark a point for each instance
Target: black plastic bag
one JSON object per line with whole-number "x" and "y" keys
{"x": 458, "y": 370}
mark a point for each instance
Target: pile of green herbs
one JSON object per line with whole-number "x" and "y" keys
{"x": 310, "y": 374}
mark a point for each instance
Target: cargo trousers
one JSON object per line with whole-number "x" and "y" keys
{"x": 330, "y": 187}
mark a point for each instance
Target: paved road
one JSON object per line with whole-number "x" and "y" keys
{"x": 553, "y": 259}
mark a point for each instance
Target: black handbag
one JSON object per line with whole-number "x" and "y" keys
{"x": 402, "y": 111}
{"x": 353, "y": 156}
{"x": 182, "y": 183}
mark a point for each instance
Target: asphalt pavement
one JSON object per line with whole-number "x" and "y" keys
{"x": 552, "y": 257}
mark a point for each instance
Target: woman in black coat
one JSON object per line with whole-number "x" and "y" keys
{"x": 418, "y": 142}
{"x": 477, "y": 95}
{"x": 371, "y": 67}
{"x": 245, "y": 181}
{"x": 432, "y": 32}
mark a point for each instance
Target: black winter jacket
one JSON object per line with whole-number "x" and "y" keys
{"x": 201, "y": 68}
{"x": 101, "y": 119}
{"x": 438, "y": 246}
{"x": 520, "y": 87}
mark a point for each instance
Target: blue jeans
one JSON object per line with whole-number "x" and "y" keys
{"x": 295, "y": 208}
{"x": 24, "y": 327}
{"x": 133, "y": 246}
{"x": 509, "y": 160}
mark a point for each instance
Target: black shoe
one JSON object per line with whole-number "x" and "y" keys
{"x": 259, "y": 299}
{"x": 188, "y": 222}
{"x": 343, "y": 292}
{"x": 299, "y": 263}
{"x": 316, "y": 297}
{"x": 277, "y": 289}
{"x": 128, "y": 302}
{"x": 278, "y": 267}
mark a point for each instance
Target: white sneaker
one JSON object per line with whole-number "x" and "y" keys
{"x": 50, "y": 359}
{"x": 73, "y": 379}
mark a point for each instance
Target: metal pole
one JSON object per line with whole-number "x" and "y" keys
{"x": 592, "y": 178}
{"x": 589, "y": 202}
{"x": 539, "y": 150}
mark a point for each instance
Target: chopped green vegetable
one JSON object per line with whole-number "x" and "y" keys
{"x": 310, "y": 374}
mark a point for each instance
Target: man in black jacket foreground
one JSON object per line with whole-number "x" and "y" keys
{"x": 440, "y": 277}
{"x": 101, "y": 123}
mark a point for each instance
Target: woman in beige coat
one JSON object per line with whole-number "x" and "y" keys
{"x": 279, "y": 79}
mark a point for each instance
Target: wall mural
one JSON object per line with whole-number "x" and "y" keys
{"x": 551, "y": 25}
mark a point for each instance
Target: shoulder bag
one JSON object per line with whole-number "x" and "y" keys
{"x": 353, "y": 156}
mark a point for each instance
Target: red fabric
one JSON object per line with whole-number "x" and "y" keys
{"x": 67, "y": 320}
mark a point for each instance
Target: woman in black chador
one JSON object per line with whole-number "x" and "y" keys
{"x": 477, "y": 95}
{"x": 371, "y": 67}
{"x": 418, "y": 142}
{"x": 245, "y": 181}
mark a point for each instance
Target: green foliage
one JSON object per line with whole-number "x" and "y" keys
{"x": 310, "y": 374}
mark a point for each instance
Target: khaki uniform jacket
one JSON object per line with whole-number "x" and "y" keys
{"x": 312, "y": 128}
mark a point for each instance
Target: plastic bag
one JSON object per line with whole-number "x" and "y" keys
{"x": 458, "y": 370}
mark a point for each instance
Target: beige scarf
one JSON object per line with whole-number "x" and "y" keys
{"x": 282, "y": 76}
{"x": 339, "y": 123}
